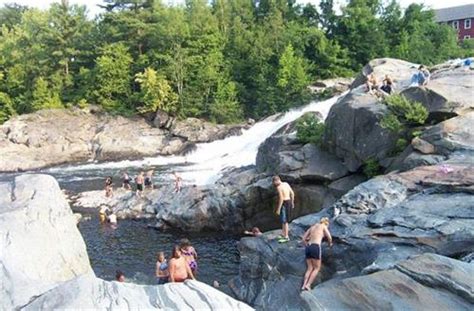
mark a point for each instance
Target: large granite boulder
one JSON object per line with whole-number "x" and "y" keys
{"x": 353, "y": 132}
{"x": 448, "y": 94}
{"x": 415, "y": 284}
{"x": 199, "y": 131}
{"x": 376, "y": 225}
{"x": 44, "y": 263}
{"x": 399, "y": 70}
{"x": 40, "y": 244}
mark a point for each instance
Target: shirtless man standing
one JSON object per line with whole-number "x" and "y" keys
{"x": 179, "y": 269}
{"x": 286, "y": 202}
{"x": 312, "y": 240}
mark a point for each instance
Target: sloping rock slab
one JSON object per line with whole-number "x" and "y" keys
{"x": 416, "y": 284}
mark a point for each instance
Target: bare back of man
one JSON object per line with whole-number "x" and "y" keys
{"x": 286, "y": 198}
{"x": 313, "y": 238}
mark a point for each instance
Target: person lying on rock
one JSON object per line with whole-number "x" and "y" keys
{"x": 178, "y": 267}
{"x": 254, "y": 232}
{"x": 312, "y": 240}
{"x": 286, "y": 202}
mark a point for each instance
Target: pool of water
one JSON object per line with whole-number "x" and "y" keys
{"x": 132, "y": 247}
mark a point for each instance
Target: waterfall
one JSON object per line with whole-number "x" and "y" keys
{"x": 206, "y": 163}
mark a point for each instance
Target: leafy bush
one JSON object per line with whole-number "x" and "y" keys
{"x": 391, "y": 122}
{"x": 408, "y": 111}
{"x": 309, "y": 130}
{"x": 371, "y": 168}
{"x": 400, "y": 145}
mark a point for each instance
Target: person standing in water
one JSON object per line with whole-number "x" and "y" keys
{"x": 161, "y": 270}
{"x": 189, "y": 253}
{"x": 103, "y": 213}
{"x": 286, "y": 202}
{"x": 139, "y": 181}
{"x": 312, "y": 240}
{"x": 178, "y": 267}
{"x": 149, "y": 179}
{"x": 177, "y": 182}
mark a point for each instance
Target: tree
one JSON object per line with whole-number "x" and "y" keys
{"x": 113, "y": 78}
{"x": 43, "y": 97}
{"x": 6, "y": 107}
{"x": 156, "y": 92}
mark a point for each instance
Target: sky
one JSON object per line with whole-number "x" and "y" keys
{"x": 93, "y": 9}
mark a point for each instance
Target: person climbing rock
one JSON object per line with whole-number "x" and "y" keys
{"x": 312, "y": 240}
{"x": 286, "y": 199}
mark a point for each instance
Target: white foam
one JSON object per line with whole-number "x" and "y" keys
{"x": 210, "y": 159}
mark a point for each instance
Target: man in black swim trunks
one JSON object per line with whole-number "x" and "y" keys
{"x": 286, "y": 202}
{"x": 312, "y": 240}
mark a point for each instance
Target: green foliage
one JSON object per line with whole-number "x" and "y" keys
{"x": 412, "y": 113}
{"x": 156, "y": 93}
{"x": 391, "y": 122}
{"x": 400, "y": 145}
{"x": 309, "y": 130}
{"x": 371, "y": 168}
{"x": 6, "y": 107}
{"x": 222, "y": 60}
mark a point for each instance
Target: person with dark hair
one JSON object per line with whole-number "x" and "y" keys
{"x": 286, "y": 202}
{"x": 139, "y": 182}
{"x": 254, "y": 232}
{"x": 189, "y": 253}
{"x": 179, "y": 269}
{"x": 387, "y": 85}
{"x": 119, "y": 276}
{"x": 312, "y": 240}
{"x": 149, "y": 180}
{"x": 162, "y": 271}
{"x": 126, "y": 181}
{"x": 108, "y": 187}
{"x": 178, "y": 181}
{"x": 421, "y": 78}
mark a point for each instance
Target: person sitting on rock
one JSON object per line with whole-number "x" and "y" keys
{"x": 148, "y": 179}
{"x": 108, "y": 187}
{"x": 254, "y": 232}
{"x": 177, "y": 182}
{"x": 387, "y": 85}
{"x": 139, "y": 182}
{"x": 286, "y": 202}
{"x": 103, "y": 213}
{"x": 312, "y": 240}
{"x": 371, "y": 84}
{"x": 179, "y": 269}
{"x": 126, "y": 181}
{"x": 161, "y": 271}
{"x": 119, "y": 276}
{"x": 189, "y": 253}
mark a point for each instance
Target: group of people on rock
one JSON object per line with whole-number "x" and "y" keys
{"x": 181, "y": 266}
{"x": 420, "y": 78}
{"x": 142, "y": 181}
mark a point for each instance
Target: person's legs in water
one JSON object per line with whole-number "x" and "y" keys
{"x": 316, "y": 263}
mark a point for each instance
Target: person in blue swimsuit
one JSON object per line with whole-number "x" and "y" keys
{"x": 162, "y": 272}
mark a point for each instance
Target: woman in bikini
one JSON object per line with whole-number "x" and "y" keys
{"x": 178, "y": 267}
{"x": 189, "y": 254}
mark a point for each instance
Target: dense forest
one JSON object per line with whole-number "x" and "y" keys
{"x": 222, "y": 60}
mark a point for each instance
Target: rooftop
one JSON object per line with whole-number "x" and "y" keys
{"x": 455, "y": 13}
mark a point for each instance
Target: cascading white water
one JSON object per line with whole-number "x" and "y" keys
{"x": 206, "y": 163}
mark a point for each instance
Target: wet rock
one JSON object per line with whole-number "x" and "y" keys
{"x": 353, "y": 132}
{"x": 199, "y": 131}
{"x": 414, "y": 284}
{"x": 345, "y": 184}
